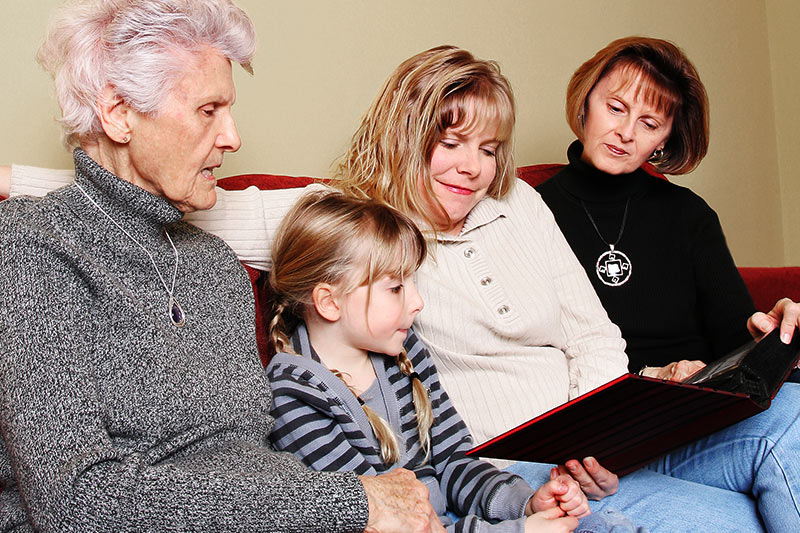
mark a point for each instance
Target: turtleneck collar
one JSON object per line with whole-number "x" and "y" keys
{"x": 129, "y": 205}
{"x": 586, "y": 182}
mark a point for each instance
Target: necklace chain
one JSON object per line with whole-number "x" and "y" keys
{"x": 179, "y": 321}
{"x": 621, "y": 228}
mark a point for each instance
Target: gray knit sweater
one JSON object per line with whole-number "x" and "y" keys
{"x": 112, "y": 418}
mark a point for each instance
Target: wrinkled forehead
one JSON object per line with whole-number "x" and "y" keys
{"x": 645, "y": 88}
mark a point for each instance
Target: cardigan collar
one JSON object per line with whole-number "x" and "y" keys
{"x": 487, "y": 210}
{"x": 584, "y": 181}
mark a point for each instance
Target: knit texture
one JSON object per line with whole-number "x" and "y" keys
{"x": 320, "y": 420}
{"x": 685, "y": 298}
{"x": 112, "y": 418}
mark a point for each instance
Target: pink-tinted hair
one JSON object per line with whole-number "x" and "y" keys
{"x": 138, "y": 47}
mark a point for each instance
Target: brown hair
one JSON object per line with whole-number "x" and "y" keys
{"x": 669, "y": 81}
{"x": 328, "y": 237}
{"x": 426, "y": 94}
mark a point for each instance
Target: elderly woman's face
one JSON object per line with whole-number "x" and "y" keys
{"x": 621, "y": 131}
{"x": 174, "y": 153}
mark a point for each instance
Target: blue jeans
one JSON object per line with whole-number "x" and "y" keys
{"x": 728, "y": 481}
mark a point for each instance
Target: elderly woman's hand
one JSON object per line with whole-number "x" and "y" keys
{"x": 398, "y": 502}
{"x": 786, "y": 313}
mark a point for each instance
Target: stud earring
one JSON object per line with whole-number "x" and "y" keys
{"x": 125, "y": 140}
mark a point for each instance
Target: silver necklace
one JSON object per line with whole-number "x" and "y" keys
{"x": 174, "y": 309}
{"x": 613, "y": 267}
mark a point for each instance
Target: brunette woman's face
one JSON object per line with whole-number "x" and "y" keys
{"x": 621, "y": 131}
{"x": 463, "y": 167}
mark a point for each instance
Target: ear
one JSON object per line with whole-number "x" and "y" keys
{"x": 115, "y": 116}
{"x": 326, "y": 302}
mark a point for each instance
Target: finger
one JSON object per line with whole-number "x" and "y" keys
{"x": 604, "y": 478}
{"x": 579, "y": 473}
{"x": 551, "y": 513}
{"x": 790, "y": 320}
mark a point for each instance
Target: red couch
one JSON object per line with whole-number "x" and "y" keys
{"x": 766, "y": 285}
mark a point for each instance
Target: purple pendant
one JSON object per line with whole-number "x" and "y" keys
{"x": 176, "y": 313}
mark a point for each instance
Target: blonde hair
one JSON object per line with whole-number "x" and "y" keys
{"x": 138, "y": 47}
{"x": 427, "y": 94}
{"x": 668, "y": 81}
{"x": 328, "y": 237}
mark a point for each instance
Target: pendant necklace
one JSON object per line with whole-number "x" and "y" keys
{"x": 174, "y": 309}
{"x": 613, "y": 267}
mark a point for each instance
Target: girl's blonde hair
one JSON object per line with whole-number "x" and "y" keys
{"x": 328, "y": 237}
{"x": 390, "y": 153}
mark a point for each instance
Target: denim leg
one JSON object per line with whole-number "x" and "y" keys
{"x": 665, "y": 504}
{"x": 758, "y": 456}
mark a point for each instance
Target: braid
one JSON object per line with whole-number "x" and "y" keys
{"x": 390, "y": 450}
{"x": 278, "y": 329}
{"x": 422, "y": 402}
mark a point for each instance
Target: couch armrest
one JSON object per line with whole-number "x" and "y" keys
{"x": 768, "y": 284}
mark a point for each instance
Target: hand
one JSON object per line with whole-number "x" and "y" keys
{"x": 786, "y": 313}
{"x": 399, "y": 503}
{"x": 550, "y": 521}
{"x": 595, "y": 481}
{"x": 5, "y": 181}
{"x": 561, "y": 491}
{"x": 674, "y": 371}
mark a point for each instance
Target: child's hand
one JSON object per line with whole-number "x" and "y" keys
{"x": 550, "y": 521}
{"x": 561, "y": 492}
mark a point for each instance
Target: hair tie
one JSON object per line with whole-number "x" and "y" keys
{"x": 414, "y": 375}
{"x": 360, "y": 401}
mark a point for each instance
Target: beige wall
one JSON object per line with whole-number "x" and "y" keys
{"x": 321, "y": 62}
{"x": 783, "y": 18}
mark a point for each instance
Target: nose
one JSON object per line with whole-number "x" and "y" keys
{"x": 228, "y": 138}
{"x": 469, "y": 163}
{"x": 625, "y": 129}
{"x": 414, "y": 302}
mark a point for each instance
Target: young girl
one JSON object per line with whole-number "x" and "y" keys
{"x": 354, "y": 387}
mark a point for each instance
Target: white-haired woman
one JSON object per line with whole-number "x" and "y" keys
{"x": 131, "y": 393}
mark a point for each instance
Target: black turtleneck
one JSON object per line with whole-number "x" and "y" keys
{"x": 684, "y": 298}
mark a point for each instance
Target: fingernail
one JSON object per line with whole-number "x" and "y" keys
{"x": 786, "y": 338}
{"x": 589, "y": 462}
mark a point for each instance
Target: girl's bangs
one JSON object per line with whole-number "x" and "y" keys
{"x": 468, "y": 111}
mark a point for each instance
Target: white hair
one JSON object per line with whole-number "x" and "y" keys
{"x": 138, "y": 47}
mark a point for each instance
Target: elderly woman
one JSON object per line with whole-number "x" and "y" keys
{"x": 672, "y": 286}
{"x": 132, "y": 394}
{"x": 512, "y": 321}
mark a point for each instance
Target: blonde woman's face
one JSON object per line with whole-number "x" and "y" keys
{"x": 463, "y": 167}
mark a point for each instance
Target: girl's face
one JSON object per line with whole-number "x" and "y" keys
{"x": 382, "y": 325}
{"x": 621, "y": 130}
{"x": 463, "y": 166}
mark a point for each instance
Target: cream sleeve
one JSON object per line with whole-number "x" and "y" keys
{"x": 247, "y": 220}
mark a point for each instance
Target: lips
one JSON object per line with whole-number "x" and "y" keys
{"x": 455, "y": 189}
{"x": 615, "y": 150}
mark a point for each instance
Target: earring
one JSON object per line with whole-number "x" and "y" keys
{"x": 657, "y": 154}
{"x": 125, "y": 140}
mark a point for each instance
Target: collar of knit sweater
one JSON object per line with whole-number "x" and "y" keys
{"x": 588, "y": 183}
{"x": 141, "y": 213}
